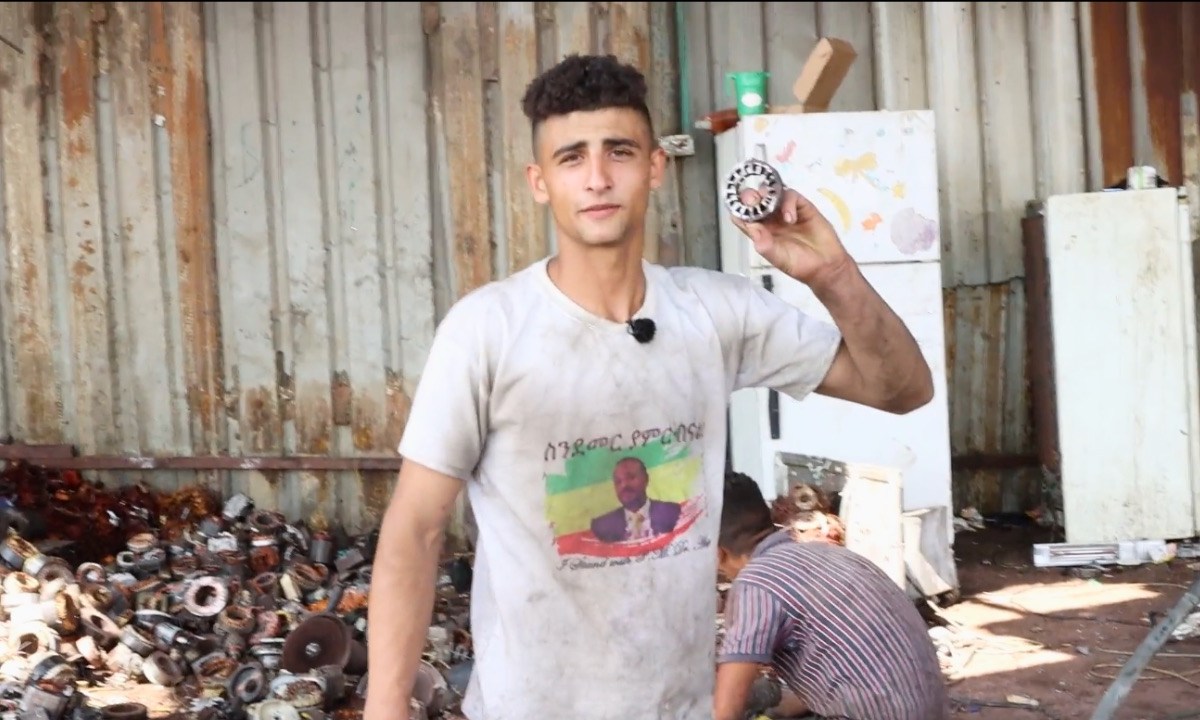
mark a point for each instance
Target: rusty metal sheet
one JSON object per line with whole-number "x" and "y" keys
{"x": 182, "y": 103}
{"x": 469, "y": 228}
{"x": 1106, "y": 46}
{"x": 525, "y": 224}
{"x": 1160, "y": 45}
{"x": 34, "y": 403}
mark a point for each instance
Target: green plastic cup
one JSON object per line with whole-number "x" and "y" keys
{"x": 750, "y": 91}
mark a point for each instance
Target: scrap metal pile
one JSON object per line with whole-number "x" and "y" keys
{"x": 236, "y": 611}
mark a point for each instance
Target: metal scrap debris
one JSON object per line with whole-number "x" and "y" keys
{"x": 232, "y": 610}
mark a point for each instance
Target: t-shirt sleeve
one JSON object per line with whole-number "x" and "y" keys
{"x": 783, "y": 347}
{"x": 448, "y": 418}
{"x": 754, "y": 622}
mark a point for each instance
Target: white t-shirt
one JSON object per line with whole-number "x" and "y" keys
{"x": 547, "y": 411}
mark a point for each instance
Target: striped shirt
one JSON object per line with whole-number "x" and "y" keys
{"x": 836, "y": 630}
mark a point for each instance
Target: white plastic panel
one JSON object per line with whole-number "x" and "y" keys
{"x": 1124, "y": 354}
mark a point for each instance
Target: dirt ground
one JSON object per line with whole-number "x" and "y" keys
{"x": 1059, "y": 639}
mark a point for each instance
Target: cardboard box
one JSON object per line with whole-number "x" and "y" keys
{"x": 821, "y": 76}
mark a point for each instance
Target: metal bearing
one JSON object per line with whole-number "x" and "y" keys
{"x": 124, "y": 711}
{"x": 248, "y": 683}
{"x": 90, "y": 573}
{"x": 770, "y": 195}
{"x": 206, "y": 597}
{"x": 160, "y": 669}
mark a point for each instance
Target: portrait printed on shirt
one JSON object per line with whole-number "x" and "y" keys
{"x": 624, "y": 496}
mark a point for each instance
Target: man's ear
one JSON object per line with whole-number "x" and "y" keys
{"x": 722, "y": 555}
{"x": 537, "y": 183}
{"x": 658, "y": 167}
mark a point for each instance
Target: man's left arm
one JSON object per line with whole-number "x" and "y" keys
{"x": 878, "y": 362}
{"x": 753, "y": 623}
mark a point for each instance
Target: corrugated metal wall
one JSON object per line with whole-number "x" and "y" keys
{"x": 266, "y": 284}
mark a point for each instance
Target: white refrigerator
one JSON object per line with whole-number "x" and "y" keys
{"x": 874, "y": 176}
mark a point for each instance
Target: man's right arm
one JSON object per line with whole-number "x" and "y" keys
{"x": 442, "y": 444}
{"x": 402, "y": 585}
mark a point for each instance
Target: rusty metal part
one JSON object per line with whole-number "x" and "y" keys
{"x": 19, "y": 582}
{"x": 137, "y": 640}
{"x": 55, "y": 569}
{"x": 248, "y": 683}
{"x": 67, "y": 611}
{"x": 266, "y": 522}
{"x": 99, "y": 626}
{"x": 160, "y": 669}
{"x": 334, "y": 680}
{"x": 52, "y": 667}
{"x": 235, "y": 619}
{"x": 20, "y": 549}
{"x": 269, "y": 652}
{"x": 266, "y": 583}
{"x": 242, "y": 463}
{"x": 320, "y": 550}
{"x": 263, "y": 559}
{"x": 183, "y": 564}
{"x": 308, "y": 577}
{"x": 141, "y": 543}
{"x": 45, "y": 697}
{"x": 32, "y": 638}
{"x": 214, "y": 669}
{"x": 234, "y": 644}
{"x": 769, "y": 188}
{"x": 206, "y": 597}
{"x": 151, "y": 561}
{"x": 90, "y": 573}
{"x": 323, "y": 640}
{"x": 124, "y": 711}
{"x": 97, "y": 596}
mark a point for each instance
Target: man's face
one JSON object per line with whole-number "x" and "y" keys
{"x": 630, "y": 481}
{"x": 596, "y": 170}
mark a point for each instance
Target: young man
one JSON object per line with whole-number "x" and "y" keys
{"x": 540, "y": 389}
{"x": 844, "y": 639}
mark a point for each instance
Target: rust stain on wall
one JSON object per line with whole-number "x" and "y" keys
{"x": 1162, "y": 74}
{"x": 398, "y": 405}
{"x": 313, "y": 419}
{"x": 261, "y": 413}
{"x": 177, "y": 43}
{"x": 1114, "y": 87}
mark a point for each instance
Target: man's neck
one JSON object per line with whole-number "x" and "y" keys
{"x": 608, "y": 282}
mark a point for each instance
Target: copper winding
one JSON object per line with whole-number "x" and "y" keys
{"x": 264, "y": 559}
{"x": 19, "y": 582}
{"x": 67, "y": 611}
{"x": 235, "y": 619}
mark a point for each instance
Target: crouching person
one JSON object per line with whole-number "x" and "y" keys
{"x": 844, "y": 639}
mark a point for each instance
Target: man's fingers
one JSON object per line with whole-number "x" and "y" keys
{"x": 749, "y": 197}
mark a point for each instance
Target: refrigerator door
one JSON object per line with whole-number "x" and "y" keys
{"x": 872, "y": 174}
{"x": 1125, "y": 365}
{"x": 916, "y": 444}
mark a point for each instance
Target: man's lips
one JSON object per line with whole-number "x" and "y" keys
{"x": 600, "y": 210}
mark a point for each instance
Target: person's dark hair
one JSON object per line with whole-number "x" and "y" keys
{"x": 745, "y": 515}
{"x": 584, "y": 83}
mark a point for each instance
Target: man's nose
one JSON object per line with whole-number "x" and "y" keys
{"x": 599, "y": 178}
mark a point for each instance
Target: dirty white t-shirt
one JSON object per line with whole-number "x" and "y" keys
{"x": 533, "y": 402}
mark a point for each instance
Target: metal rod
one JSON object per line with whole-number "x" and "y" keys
{"x": 1145, "y": 652}
{"x": 202, "y": 462}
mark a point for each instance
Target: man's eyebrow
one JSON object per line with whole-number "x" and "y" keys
{"x": 608, "y": 143}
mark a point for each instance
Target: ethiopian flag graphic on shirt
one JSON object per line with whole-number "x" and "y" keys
{"x": 617, "y": 500}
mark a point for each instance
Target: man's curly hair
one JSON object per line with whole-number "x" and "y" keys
{"x": 584, "y": 83}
